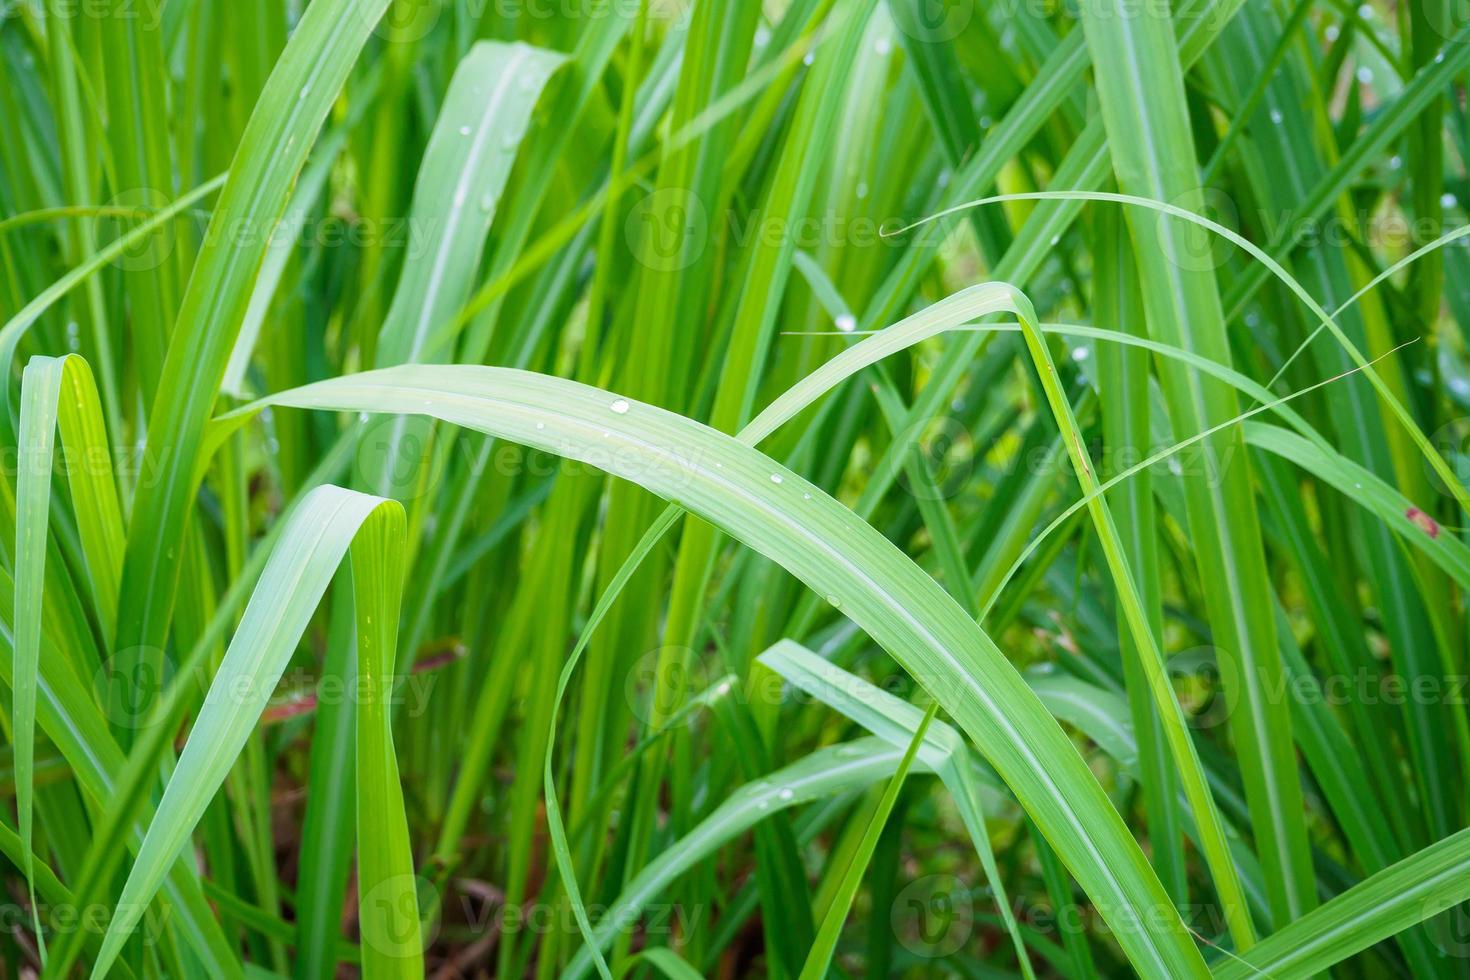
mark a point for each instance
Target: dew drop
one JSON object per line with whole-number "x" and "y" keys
{"x": 620, "y": 406}
{"x": 835, "y": 602}
{"x": 847, "y": 323}
{"x": 1448, "y": 200}
{"x": 788, "y": 794}
{"x": 776, "y": 478}
{"x": 487, "y": 203}
{"x": 1277, "y": 117}
{"x": 808, "y": 58}
{"x": 861, "y": 190}
{"x": 464, "y": 130}
{"x": 806, "y": 496}
{"x": 1365, "y": 75}
{"x": 882, "y": 46}
{"x": 540, "y": 425}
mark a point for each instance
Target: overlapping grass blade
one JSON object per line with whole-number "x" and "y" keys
{"x": 796, "y": 524}
{"x": 329, "y": 521}
{"x": 274, "y": 146}
{"x": 1416, "y": 889}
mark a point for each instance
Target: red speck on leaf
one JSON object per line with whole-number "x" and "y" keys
{"x": 1423, "y": 521}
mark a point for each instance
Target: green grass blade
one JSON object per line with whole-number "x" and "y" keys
{"x": 1412, "y": 891}
{"x": 820, "y": 958}
{"x": 290, "y": 587}
{"x": 765, "y": 506}
{"x": 274, "y": 146}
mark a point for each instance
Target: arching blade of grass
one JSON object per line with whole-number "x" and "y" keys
{"x": 128, "y": 783}
{"x": 771, "y": 509}
{"x": 329, "y": 521}
{"x": 57, "y": 391}
{"x": 292, "y": 106}
{"x": 949, "y": 314}
{"x": 1427, "y": 884}
{"x": 1149, "y": 653}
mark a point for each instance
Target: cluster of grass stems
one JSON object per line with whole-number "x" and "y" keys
{"x": 800, "y": 488}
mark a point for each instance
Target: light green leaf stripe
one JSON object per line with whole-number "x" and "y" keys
{"x": 386, "y": 887}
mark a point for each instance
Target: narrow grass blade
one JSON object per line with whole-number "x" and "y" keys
{"x": 1415, "y": 890}
{"x": 292, "y": 106}
{"x": 793, "y": 522}
{"x": 290, "y": 587}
